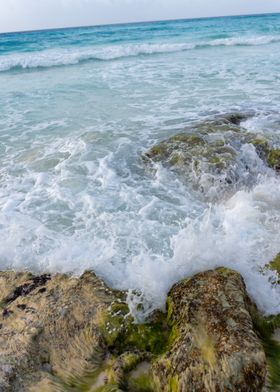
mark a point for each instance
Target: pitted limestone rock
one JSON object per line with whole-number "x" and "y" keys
{"x": 213, "y": 347}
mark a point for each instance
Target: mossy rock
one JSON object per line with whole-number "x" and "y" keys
{"x": 183, "y": 149}
{"x": 265, "y": 328}
{"x": 210, "y": 322}
{"x": 128, "y": 344}
{"x": 269, "y": 155}
{"x": 262, "y": 147}
{"x": 178, "y": 142}
{"x": 140, "y": 379}
{"x": 157, "y": 152}
{"x": 91, "y": 342}
{"x": 275, "y": 264}
{"x": 189, "y": 140}
{"x": 121, "y": 333}
{"x": 143, "y": 383}
{"x": 85, "y": 337}
{"x": 273, "y": 159}
{"x": 206, "y": 155}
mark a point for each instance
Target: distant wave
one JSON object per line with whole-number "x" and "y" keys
{"x": 74, "y": 55}
{"x": 245, "y": 41}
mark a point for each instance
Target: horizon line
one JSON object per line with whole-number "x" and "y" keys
{"x": 139, "y": 22}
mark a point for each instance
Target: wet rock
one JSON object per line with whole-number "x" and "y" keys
{"x": 268, "y": 329}
{"x": 213, "y": 346}
{"x": 77, "y": 335}
{"x": 236, "y": 118}
{"x": 275, "y": 264}
{"x": 26, "y": 288}
{"x": 217, "y": 156}
{"x": 273, "y": 159}
{"x": 267, "y": 153}
{"x": 73, "y": 335}
{"x": 36, "y": 337}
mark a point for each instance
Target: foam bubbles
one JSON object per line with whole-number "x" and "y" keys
{"x": 241, "y": 233}
{"x": 141, "y": 232}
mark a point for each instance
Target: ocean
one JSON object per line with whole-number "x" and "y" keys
{"x": 79, "y": 107}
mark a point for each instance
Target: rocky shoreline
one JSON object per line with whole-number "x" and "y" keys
{"x": 64, "y": 333}
{"x": 60, "y": 333}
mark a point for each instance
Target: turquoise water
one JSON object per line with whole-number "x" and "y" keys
{"x": 79, "y": 106}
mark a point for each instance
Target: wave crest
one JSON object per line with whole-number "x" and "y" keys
{"x": 72, "y": 56}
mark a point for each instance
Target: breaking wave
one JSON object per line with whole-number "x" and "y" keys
{"x": 71, "y": 56}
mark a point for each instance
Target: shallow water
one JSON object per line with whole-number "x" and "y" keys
{"x": 78, "y": 107}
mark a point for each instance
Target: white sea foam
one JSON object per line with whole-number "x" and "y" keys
{"x": 75, "y": 55}
{"x": 140, "y": 234}
{"x": 75, "y": 195}
{"x": 245, "y": 41}
{"x": 57, "y": 57}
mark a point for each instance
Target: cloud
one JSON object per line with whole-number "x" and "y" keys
{"x": 36, "y": 14}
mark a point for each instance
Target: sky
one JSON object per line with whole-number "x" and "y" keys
{"x": 19, "y": 15}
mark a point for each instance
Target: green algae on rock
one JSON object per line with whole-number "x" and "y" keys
{"x": 275, "y": 264}
{"x": 76, "y": 334}
{"x": 268, "y": 154}
{"x": 273, "y": 159}
{"x": 69, "y": 334}
{"x": 214, "y": 347}
{"x": 268, "y": 330}
{"x": 261, "y": 145}
{"x": 207, "y": 155}
{"x": 204, "y": 154}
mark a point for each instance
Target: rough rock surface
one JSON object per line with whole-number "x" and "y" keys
{"x": 47, "y": 322}
{"x": 269, "y": 332}
{"x": 216, "y": 156}
{"x": 213, "y": 344}
{"x": 59, "y": 333}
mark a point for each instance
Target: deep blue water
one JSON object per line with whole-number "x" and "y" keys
{"x": 190, "y": 34}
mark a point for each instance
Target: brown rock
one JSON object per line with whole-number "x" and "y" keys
{"x": 213, "y": 347}
{"x": 51, "y": 329}
{"x": 59, "y": 334}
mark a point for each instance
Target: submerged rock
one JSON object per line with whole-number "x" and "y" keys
{"x": 268, "y": 154}
{"x": 274, "y": 265}
{"x": 213, "y": 346}
{"x": 273, "y": 159}
{"x": 216, "y": 156}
